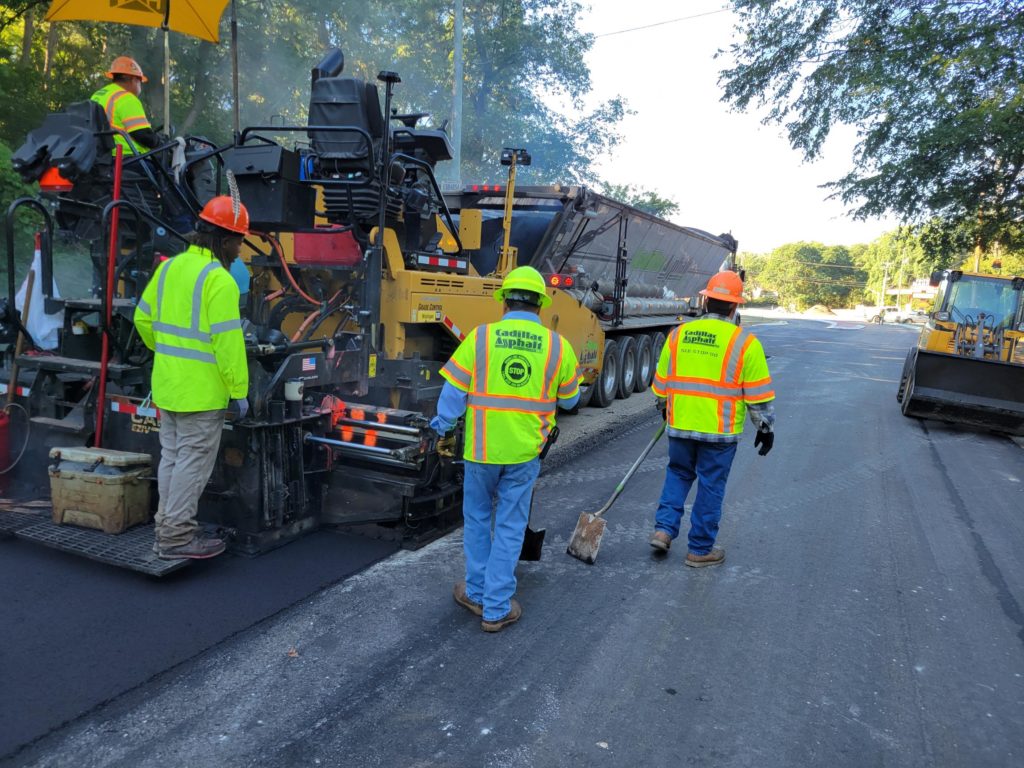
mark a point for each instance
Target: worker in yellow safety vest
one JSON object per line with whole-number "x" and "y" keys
{"x": 124, "y": 110}
{"x": 710, "y": 375}
{"x": 509, "y": 378}
{"x": 188, "y": 315}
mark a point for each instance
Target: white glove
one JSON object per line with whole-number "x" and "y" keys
{"x": 239, "y": 407}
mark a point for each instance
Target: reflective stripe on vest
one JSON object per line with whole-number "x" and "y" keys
{"x": 481, "y": 402}
{"x": 192, "y": 332}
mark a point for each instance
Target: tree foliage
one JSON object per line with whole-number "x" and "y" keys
{"x": 934, "y": 88}
{"x": 646, "y": 200}
{"x": 518, "y": 55}
{"x": 805, "y": 274}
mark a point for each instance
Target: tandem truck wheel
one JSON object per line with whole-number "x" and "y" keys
{"x": 627, "y": 366}
{"x": 645, "y": 362}
{"x": 607, "y": 382}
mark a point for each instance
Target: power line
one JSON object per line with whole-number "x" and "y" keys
{"x": 662, "y": 23}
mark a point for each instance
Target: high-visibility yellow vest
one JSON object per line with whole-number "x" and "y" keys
{"x": 188, "y": 315}
{"x": 124, "y": 112}
{"x": 513, "y": 372}
{"x": 709, "y": 370}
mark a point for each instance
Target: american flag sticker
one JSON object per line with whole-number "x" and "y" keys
{"x": 308, "y": 364}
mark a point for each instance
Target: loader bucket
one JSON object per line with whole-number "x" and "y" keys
{"x": 966, "y": 390}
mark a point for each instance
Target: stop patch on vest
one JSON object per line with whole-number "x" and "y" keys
{"x": 516, "y": 371}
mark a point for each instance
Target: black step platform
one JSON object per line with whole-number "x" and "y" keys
{"x": 132, "y": 549}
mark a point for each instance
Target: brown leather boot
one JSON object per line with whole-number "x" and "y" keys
{"x": 459, "y": 593}
{"x": 714, "y": 557}
{"x": 661, "y": 540}
{"x": 197, "y": 549}
{"x": 510, "y": 618}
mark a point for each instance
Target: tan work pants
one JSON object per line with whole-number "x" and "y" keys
{"x": 189, "y": 443}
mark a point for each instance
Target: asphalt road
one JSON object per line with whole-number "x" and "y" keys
{"x": 869, "y": 612}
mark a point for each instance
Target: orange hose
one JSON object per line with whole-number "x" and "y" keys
{"x": 284, "y": 264}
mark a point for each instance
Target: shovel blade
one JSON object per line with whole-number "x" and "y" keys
{"x": 586, "y": 538}
{"x": 533, "y": 543}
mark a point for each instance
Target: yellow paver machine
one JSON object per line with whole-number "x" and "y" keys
{"x": 968, "y": 364}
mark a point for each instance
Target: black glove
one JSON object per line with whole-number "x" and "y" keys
{"x": 662, "y": 406}
{"x": 766, "y": 440}
{"x": 429, "y": 437}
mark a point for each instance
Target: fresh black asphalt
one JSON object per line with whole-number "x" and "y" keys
{"x": 74, "y": 633}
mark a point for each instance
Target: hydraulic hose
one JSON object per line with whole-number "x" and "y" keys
{"x": 284, "y": 265}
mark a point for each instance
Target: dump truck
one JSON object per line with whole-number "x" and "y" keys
{"x": 363, "y": 278}
{"x": 968, "y": 364}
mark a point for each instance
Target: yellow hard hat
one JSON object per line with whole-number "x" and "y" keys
{"x": 125, "y": 65}
{"x": 527, "y": 282}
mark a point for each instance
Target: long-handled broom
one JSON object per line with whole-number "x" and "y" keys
{"x": 586, "y": 539}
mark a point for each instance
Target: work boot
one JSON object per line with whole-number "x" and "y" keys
{"x": 459, "y": 593}
{"x": 714, "y": 557}
{"x": 510, "y": 618}
{"x": 661, "y": 540}
{"x": 197, "y": 549}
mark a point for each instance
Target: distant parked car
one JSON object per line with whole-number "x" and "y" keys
{"x": 886, "y": 315}
{"x": 893, "y": 314}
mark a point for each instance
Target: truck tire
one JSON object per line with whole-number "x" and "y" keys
{"x": 607, "y": 381}
{"x": 906, "y": 377}
{"x": 627, "y": 367}
{"x": 644, "y": 362}
{"x": 657, "y": 342}
{"x": 586, "y": 394}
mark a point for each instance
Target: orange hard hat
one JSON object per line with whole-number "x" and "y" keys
{"x": 725, "y": 286}
{"x": 221, "y": 212}
{"x": 125, "y": 65}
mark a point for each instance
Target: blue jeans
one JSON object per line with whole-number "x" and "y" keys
{"x": 709, "y": 464}
{"x": 491, "y": 565}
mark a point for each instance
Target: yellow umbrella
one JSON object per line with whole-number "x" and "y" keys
{"x": 196, "y": 18}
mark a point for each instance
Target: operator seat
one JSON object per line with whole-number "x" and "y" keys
{"x": 345, "y": 156}
{"x": 67, "y": 141}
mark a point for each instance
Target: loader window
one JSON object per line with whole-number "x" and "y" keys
{"x": 972, "y": 296}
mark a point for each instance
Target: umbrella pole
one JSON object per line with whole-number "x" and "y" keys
{"x": 234, "y": 67}
{"x": 167, "y": 81}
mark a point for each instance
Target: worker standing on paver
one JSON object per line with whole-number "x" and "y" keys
{"x": 512, "y": 376}
{"x": 188, "y": 315}
{"x": 120, "y": 100}
{"x": 709, "y": 375}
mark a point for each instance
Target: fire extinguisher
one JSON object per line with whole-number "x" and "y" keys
{"x": 5, "y": 440}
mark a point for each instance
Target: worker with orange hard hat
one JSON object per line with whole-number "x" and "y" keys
{"x": 710, "y": 375}
{"x": 188, "y": 315}
{"x": 121, "y": 103}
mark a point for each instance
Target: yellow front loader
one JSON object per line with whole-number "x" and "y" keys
{"x": 968, "y": 364}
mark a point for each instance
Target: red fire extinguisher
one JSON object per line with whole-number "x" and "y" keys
{"x": 5, "y": 440}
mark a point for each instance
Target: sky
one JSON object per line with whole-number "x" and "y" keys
{"x": 727, "y": 171}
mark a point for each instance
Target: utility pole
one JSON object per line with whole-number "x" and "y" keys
{"x": 885, "y": 282}
{"x": 457, "y": 97}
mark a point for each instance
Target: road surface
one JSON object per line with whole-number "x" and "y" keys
{"x": 869, "y": 612}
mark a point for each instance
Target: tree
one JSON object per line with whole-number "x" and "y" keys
{"x": 934, "y": 88}
{"x": 646, "y": 200}
{"x": 519, "y": 54}
{"x": 805, "y": 274}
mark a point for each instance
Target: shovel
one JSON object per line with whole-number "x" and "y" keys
{"x": 533, "y": 541}
{"x": 586, "y": 539}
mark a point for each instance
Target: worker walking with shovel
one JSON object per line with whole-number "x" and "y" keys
{"x": 509, "y": 377}
{"x": 710, "y": 374}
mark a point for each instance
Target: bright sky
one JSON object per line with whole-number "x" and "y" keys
{"x": 726, "y": 170}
